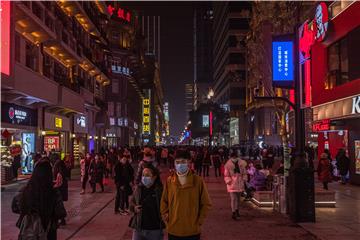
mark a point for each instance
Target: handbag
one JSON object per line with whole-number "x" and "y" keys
{"x": 31, "y": 228}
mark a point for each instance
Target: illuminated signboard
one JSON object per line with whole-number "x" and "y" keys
{"x": 357, "y": 157}
{"x": 355, "y": 105}
{"x": 5, "y": 36}
{"x": 282, "y": 63}
{"x": 146, "y": 115}
{"x": 15, "y": 114}
{"x": 51, "y": 142}
{"x": 323, "y": 125}
{"x": 205, "y": 121}
{"x": 119, "y": 13}
{"x": 121, "y": 70}
{"x": 58, "y": 122}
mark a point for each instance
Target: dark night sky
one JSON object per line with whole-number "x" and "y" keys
{"x": 176, "y": 54}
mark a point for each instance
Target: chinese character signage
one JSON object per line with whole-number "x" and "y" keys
{"x": 120, "y": 13}
{"x": 282, "y": 63}
{"x": 51, "y": 142}
{"x": 120, "y": 69}
{"x": 205, "y": 121}
{"x": 146, "y": 114}
{"x": 58, "y": 122}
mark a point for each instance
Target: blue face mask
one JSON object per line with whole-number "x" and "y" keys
{"x": 181, "y": 168}
{"x": 147, "y": 181}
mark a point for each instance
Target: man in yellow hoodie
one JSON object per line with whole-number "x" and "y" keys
{"x": 185, "y": 201}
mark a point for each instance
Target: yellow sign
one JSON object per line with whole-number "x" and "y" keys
{"x": 146, "y": 110}
{"x": 146, "y": 128}
{"x": 58, "y": 122}
{"x": 146, "y": 116}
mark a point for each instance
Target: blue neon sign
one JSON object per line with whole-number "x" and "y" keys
{"x": 282, "y": 61}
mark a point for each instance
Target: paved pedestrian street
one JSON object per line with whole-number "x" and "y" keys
{"x": 91, "y": 216}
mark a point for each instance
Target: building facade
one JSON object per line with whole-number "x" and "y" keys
{"x": 124, "y": 97}
{"x": 231, "y": 25}
{"x": 203, "y": 39}
{"x": 335, "y": 81}
{"x": 189, "y": 97}
{"x": 54, "y": 77}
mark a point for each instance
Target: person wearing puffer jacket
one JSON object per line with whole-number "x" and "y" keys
{"x": 235, "y": 176}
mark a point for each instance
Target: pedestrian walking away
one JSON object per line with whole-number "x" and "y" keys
{"x": 185, "y": 201}
{"x": 324, "y": 170}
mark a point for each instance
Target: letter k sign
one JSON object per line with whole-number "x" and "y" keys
{"x": 356, "y": 105}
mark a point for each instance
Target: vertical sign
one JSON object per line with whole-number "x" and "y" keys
{"x": 282, "y": 63}
{"x": 146, "y": 114}
{"x": 357, "y": 157}
{"x": 5, "y": 36}
{"x": 211, "y": 123}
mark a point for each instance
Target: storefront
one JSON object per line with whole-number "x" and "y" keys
{"x": 335, "y": 80}
{"x": 338, "y": 127}
{"x": 18, "y": 136}
{"x": 56, "y": 134}
{"x": 79, "y": 137}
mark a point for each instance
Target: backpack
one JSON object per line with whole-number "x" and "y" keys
{"x": 31, "y": 228}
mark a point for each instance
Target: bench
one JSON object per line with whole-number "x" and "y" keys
{"x": 323, "y": 198}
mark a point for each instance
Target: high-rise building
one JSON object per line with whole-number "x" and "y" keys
{"x": 203, "y": 68}
{"x": 189, "y": 97}
{"x": 231, "y": 24}
{"x": 150, "y": 28}
{"x": 124, "y": 97}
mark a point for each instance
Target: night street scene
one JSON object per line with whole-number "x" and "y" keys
{"x": 180, "y": 120}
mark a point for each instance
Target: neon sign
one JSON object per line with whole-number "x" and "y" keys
{"x": 146, "y": 116}
{"x": 5, "y": 37}
{"x": 323, "y": 125}
{"x": 120, "y": 13}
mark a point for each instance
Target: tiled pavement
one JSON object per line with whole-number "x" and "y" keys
{"x": 342, "y": 222}
{"x": 91, "y": 216}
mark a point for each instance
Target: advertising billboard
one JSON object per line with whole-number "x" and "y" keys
{"x": 205, "y": 121}
{"x": 283, "y": 62}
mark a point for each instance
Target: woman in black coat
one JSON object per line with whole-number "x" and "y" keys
{"x": 40, "y": 205}
{"x": 343, "y": 164}
{"x": 61, "y": 179}
{"x": 96, "y": 173}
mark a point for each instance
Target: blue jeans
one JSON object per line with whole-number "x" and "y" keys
{"x": 148, "y": 235}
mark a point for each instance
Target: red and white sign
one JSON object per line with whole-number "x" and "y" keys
{"x": 323, "y": 125}
{"x": 321, "y": 21}
{"x": 51, "y": 142}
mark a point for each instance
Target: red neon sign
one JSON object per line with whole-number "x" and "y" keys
{"x": 5, "y": 37}
{"x": 211, "y": 123}
{"x": 323, "y": 125}
{"x": 120, "y": 13}
{"x": 307, "y": 39}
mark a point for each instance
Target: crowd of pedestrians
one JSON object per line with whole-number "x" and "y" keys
{"x": 178, "y": 203}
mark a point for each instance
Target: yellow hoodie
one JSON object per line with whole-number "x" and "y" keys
{"x": 184, "y": 207}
